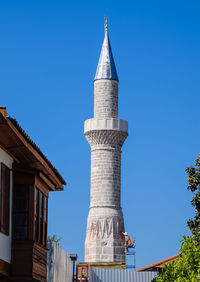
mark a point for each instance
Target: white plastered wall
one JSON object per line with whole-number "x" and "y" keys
{"x": 6, "y": 241}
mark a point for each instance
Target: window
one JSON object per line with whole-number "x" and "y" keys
{"x": 20, "y": 212}
{"x": 41, "y": 217}
{"x": 45, "y": 219}
{"x": 5, "y": 199}
{"x": 41, "y": 206}
{"x": 36, "y": 213}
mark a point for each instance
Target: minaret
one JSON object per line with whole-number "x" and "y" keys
{"x": 106, "y": 134}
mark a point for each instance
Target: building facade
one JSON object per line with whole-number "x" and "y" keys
{"x": 26, "y": 178}
{"x": 106, "y": 134}
{"x": 6, "y": 208}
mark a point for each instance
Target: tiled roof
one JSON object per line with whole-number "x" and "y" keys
{"x": 158, "y": 264}
{"x": 30, "y": 141}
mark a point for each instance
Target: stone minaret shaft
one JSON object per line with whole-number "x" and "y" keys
{"x": 106, "y": 134}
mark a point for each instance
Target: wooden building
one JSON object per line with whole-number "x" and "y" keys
{"x": 26, "y": 178}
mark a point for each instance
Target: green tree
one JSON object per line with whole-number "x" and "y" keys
{"x": 194, "y": 186}
{"x": 186, "y": 268}
{"x": 54, "y": 238}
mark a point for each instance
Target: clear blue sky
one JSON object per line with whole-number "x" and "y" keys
{"x": 48, "y": 56}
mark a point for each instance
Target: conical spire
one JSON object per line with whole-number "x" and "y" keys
{"x": 106, "y": 66}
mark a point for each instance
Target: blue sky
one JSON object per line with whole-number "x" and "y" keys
{"x": 48, "y": 56}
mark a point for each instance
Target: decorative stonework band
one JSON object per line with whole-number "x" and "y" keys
{"x": 105, "y": 137}
{"x": 102, "y": 228}
{"x": 106, "y": 124}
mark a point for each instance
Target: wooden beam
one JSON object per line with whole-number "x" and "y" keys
{"x": 15, "y": 147}
{"x": 4, "y": 268}
{"x": 9, "y": 153}
{"x": 47, "y": 181}
{"x": 26, "y": 169}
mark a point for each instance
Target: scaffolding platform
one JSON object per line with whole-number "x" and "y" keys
{"x": 131, "y": 252}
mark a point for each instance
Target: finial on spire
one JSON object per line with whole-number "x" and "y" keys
{"x": 106, "y": 66}
{"x": 106, "y": 25}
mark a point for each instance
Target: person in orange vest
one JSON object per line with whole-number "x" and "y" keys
{"x": 128, "y": 242}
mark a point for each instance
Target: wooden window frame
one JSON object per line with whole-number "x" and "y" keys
{"x": 45, "y": 218}
{"x": 39, "y": 218}
{"x": 5, "y": 197}
{"x": 36, "y": 214}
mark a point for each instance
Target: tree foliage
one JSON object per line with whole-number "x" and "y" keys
{"x": 186, "y": 268}
{"x": 54, "y": 238}
{"x": 194, "y": 186}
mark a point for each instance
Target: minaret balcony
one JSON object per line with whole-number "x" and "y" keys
{"x": 106, "y": 124}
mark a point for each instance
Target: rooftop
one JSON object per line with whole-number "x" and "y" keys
{"x": 156, "y": 266}
{"x": 20, "y": 146}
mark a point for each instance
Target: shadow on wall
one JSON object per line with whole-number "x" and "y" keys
{"x": 59, "y": 264}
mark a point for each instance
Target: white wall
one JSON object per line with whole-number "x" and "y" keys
{"x": 6, "y": 241}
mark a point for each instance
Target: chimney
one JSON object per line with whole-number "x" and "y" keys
{"x": 3, "y": 111}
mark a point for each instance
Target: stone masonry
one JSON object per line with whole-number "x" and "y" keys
{"x": 106, "y": 134}
{"x": 106, "y": 98}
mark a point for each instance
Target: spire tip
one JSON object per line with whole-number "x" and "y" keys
{"x": 106, "y": 25}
